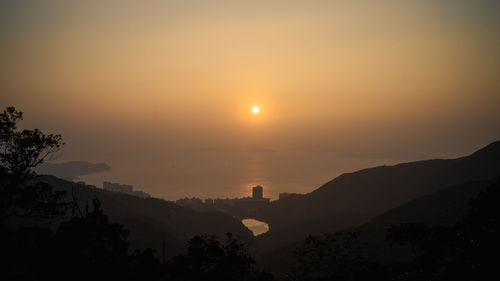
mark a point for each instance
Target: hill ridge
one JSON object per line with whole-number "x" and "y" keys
{"x": 355, "y": 198}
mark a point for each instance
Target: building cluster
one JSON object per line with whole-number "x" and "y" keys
{"x": 257, "y": 200}
{"x": 284, "y": 195}
{"x": 124, "y": 188}
{"x": 85, "y": 184}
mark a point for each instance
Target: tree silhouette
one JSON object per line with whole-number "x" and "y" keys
{"x": 20, "y": 151}
{"x": 460, "y": 252}
{"x": 209, "y": 259}
{"x": 337, "y": 256}
{"x": 92, "y": 246}
{"x": 470, "y": 251}
{"x": 411, "y": 234}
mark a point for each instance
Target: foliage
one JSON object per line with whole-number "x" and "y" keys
{"x": 463, "y": 251}
{"x": 337, "y": 256}
{"x": 83, "y": 248}
{"x": 101, "y": 247}
{"x": 209, "y": 259}
{"x": 412, "y": 234}
{"x": 20, "y": 151}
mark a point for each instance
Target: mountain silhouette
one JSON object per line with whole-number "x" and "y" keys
{"x": 355, "y": 198}
{"x": 442, "y": 208}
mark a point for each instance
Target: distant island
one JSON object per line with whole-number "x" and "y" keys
{"x": 72, "y": 170}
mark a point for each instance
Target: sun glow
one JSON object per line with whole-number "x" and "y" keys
{"x": 255, "y": 110}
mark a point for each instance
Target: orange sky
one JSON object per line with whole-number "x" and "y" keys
{"x": 143, "y": 86}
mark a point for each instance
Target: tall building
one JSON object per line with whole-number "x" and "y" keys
{"x": 257, "y": 192}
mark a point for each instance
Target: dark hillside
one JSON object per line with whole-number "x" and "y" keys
{"x": 445, "y": 207}
{"x": 152, "y": 221}
{"x": 355, "y": 198}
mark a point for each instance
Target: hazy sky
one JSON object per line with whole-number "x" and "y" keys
{"x": 162, "y": 90}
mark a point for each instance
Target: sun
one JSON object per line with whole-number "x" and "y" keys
{"x": 255, "y": 110}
